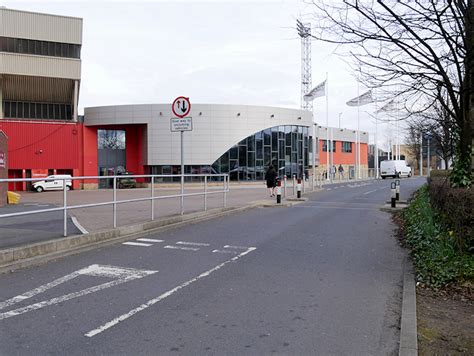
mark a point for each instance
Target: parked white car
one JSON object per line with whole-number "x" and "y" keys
{"x": 54, "y": 182}
{"x": 395, "y": 169}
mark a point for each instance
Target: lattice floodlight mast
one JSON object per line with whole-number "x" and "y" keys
{"x": 304, "y": 31}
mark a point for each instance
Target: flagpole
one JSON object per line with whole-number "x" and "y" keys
{"x": 327, "y": 126}
{"x": 332, "y": 153}
{"x": 376, "y": 155}
{"x": 358, "y": 129}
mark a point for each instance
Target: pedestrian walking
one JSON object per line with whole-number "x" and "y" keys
{"x": 271, "y": 178}
{"x": 341, "y": 171}
{"x": 333, "y": 172}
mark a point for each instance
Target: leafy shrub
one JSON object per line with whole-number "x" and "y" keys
{"x": 439, "y": 173}
{"x": 434, "y": 249}
{"x": 456, "y": 209}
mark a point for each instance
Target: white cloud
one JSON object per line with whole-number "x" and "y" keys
{"x": 236, "y": 52}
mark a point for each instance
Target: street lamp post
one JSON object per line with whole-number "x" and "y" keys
{"x": 421, "y": 154}
{"x": 340, "y": 119}
{"x": 428, "y": 158}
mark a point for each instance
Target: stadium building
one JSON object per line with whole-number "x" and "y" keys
{"x": 40, "y": 75}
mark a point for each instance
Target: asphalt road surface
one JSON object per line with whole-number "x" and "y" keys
{"x": 323, "y": 277}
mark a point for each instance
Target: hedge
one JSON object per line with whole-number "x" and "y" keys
{"x": 456, "y": 210}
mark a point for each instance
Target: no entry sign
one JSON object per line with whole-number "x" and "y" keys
{"x": 181, "y": 106}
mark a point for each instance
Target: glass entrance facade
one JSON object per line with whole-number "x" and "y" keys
{"x": 111, "y": 154}
{"x": 287, "y": 148}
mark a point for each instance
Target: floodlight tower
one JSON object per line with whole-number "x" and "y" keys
{"x": 304, "y": 31}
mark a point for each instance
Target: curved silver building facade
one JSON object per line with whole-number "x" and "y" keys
{"x": 237, "y": 139}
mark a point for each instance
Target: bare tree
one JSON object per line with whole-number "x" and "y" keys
{"x": 416, "y": 50}
{"x": 413, "y": 142}
{"x": 437, "y": 124}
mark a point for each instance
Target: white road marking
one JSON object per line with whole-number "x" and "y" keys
{"x": 236, "y": 247}
{"x": 328, "y": 188}
{"x": 149, "y": 240}
{"x": 225, "y": 251}
{"x": 131, "y": 243}
{"x": 370, "y": 191}
{"x": 182, "y": 248}
{"x": 78, "y": 225}
{"x": 153, "y": 301}
{"x": 191, "y": 243}
{"x": 119, "y": 274}
{"x": 334, "y": 207}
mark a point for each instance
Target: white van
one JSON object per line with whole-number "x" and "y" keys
{"x": 53, "y": 183}
{"x": 395, "y": 169}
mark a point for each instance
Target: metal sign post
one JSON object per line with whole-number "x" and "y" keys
{"x": 181, "y": 107}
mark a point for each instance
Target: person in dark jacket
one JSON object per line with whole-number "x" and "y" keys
{"x": 271, "y": 178}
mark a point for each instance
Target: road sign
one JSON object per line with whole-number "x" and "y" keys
{"x": 181, "y": 106}
{"x": 181, "y": 124}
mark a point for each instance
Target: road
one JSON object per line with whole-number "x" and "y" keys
{"x": 321, "y": 277}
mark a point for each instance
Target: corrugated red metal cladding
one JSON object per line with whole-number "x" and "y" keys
{"x": 37, "y": 145}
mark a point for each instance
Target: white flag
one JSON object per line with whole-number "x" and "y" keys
{"x": 318, "y": 91}
{"x": 364, "y": 99}
{"x": 390, "y": 106}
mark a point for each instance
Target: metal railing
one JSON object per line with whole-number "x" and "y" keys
{"x": 224, "y": 178}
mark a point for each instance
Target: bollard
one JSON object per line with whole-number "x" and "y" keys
{"x": 294, "y": 185}
{"x": 278, "y": 191}
{"x": 284, "y": 185}
{"x": 393, "y": 194}
{"x": 397, "y": 187}
{"x": 298, "y": 188}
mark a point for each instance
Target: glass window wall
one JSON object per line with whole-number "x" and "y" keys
{"x": 285, "y": 147}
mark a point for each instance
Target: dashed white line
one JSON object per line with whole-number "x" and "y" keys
{"x": 153, "y": 301}
{"x": 191, "y": 243}
{"x": 225, "y": 251}
{"x": 149, "y": 240}
{"x": 236, "y": 247}
{"x": 370, "y": 191}
{"x": 182, "y": 248}
{"x": 130, "y": 243}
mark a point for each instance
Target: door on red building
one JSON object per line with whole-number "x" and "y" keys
{"x": 15, "y": 174}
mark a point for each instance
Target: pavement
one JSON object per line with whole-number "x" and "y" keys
{"x": 41, "y": 227}
{"x": 324, "y": 276}
{"x": 22, "y": 230}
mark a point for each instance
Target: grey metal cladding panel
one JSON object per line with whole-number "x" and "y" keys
{"x": 39, "y": 66}
{"x": 37, "y": 26}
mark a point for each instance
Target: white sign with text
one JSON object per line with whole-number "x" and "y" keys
{"x": 181, "y": 124}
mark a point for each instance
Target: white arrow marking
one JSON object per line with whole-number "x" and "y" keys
{"x": 121, "y": 275}
{"x": 144, "y": 306}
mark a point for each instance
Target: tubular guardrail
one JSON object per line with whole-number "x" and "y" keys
{"x": 115, "y": 202}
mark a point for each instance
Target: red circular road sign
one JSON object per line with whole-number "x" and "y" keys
{"x": 181, "y": 106}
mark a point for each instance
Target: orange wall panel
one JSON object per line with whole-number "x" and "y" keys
{"x": 340, "y": 157}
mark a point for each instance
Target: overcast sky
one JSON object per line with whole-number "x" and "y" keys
{"x": 216, "y": 52}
